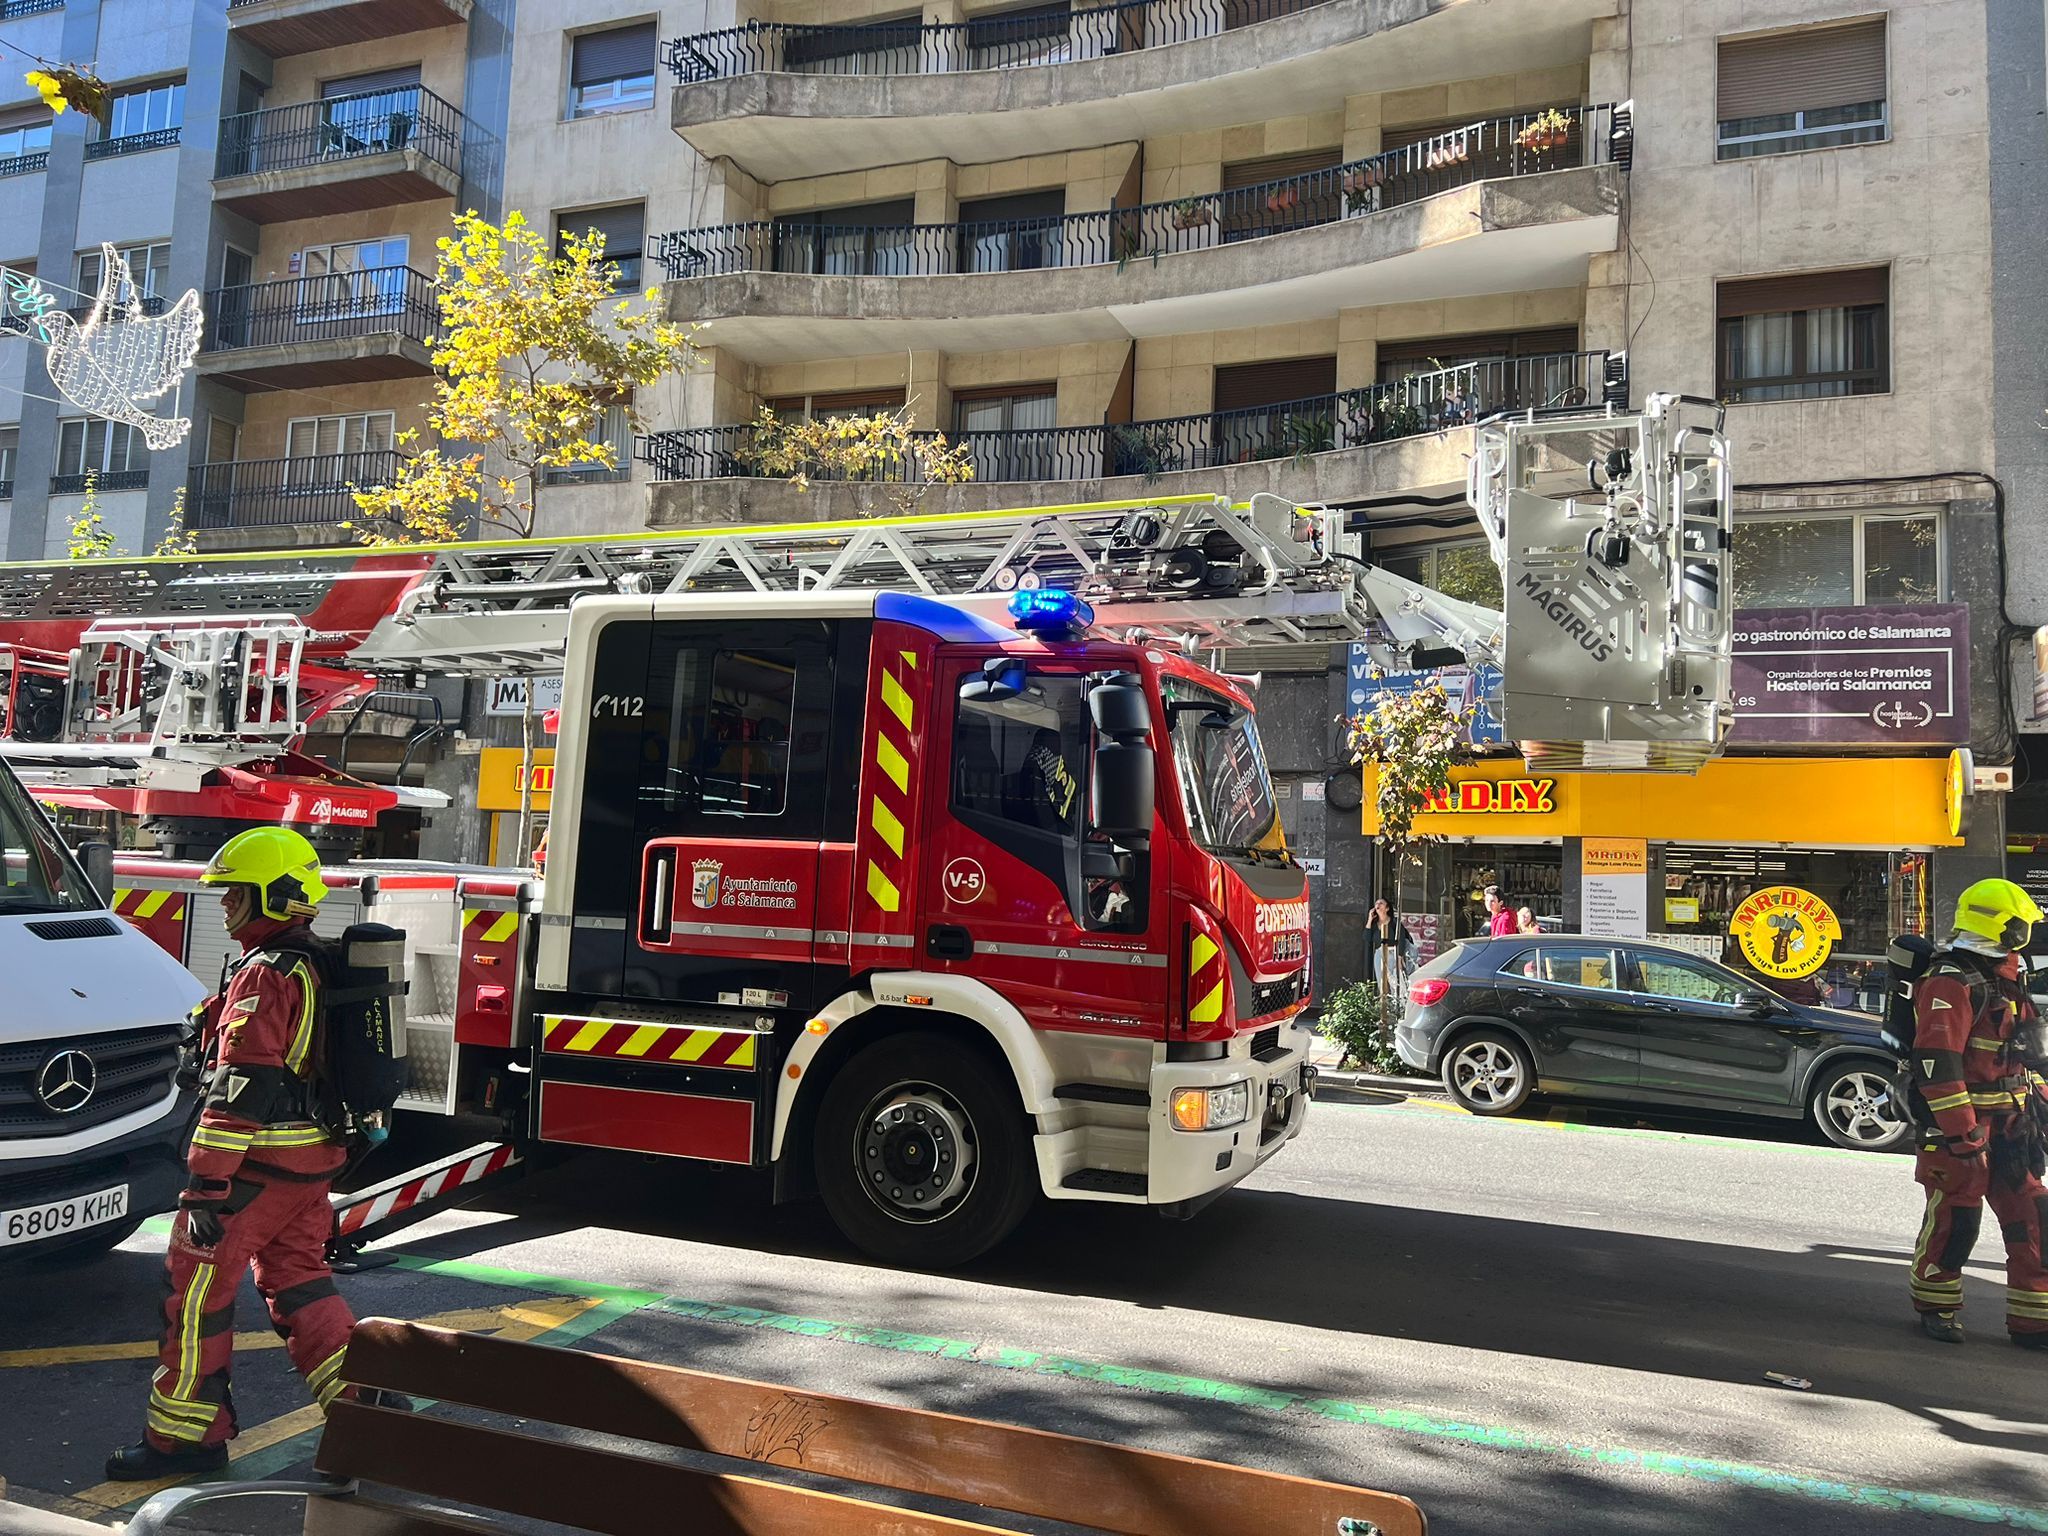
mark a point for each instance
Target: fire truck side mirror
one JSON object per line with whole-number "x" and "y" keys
{"x": 1123, "y": 791}
{"x": 98, "y": 859}
{"x": 1002, "y": 677}
{"x": 1119, "y": 707}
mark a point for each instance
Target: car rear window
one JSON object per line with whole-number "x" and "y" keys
{"x": 1569, "y": 965}
{"x": 1442, "y": 963}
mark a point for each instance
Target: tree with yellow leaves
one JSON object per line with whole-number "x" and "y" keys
{"x": 532, "y": 348}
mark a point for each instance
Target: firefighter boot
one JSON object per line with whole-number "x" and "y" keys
{"x": 1943, "y": 1326}
{"x": 144, "y": 1463}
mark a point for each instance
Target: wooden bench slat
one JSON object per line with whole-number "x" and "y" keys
{"x": 1114, "y": 1488}
{"x": 596, "y": 1490}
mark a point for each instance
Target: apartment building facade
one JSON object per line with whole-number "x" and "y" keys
{"x": 1165, "y": 246}
{"x": 295, "y": 161}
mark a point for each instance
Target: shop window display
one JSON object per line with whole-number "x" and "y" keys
{"x": 1873, "y": 896}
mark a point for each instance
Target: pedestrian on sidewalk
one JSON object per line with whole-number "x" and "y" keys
{"x": 1983, "y": 1113}
{"x": 1525, "y": 921}
{"x": 1389, "y": 947}
{"x": 1501, "y": 915}
{"x": 261, "y": 1163}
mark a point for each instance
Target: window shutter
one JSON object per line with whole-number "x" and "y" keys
{"x": 614, "y": 55}
{"x": 403, "y": 78}
{"x": 1453, "y": 350}
{"x": 623, "y": 228}
{"x": 1802, "y": 290}
{"x": 1244, "y": 386}
{"x": 1801, "y": 71}
{"x": 1250, "y": 173}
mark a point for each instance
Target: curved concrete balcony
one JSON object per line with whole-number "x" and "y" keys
{"x": 784, "y": 101}
{"x": 1470, "y": 212}
{"x": 1410, "y": 437}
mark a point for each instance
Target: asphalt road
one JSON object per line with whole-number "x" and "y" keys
{"x": 1525, "y": 1326}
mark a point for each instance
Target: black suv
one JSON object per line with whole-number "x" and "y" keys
{"x": 1638, "y": 1022}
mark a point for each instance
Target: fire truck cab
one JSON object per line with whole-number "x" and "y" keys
{"x": 928, "y": 914}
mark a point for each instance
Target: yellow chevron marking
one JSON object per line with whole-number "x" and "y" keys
{"x": 121, "y": 894}
{"x": 700, "y": 1041}
{"x": 891, "y": 830}
{"x": 1201, "y": 952}
{"x": 587, "y": 1036}
{"x": 641, "y": 1038}
{"x": 909, "y": 659}
{"x": 893, "y": 763}
{"x": 179, "y": 915}
{"x": 882, "y": 890}
{"x": 744, "y": 1056}
{"x": 896, "y": 699}
{"x": 502, "y": 929}
{"x": 1210, "y": 1008}
{"x": 151, "y": 903}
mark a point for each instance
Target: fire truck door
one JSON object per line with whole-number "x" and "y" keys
{"x": 730, "y": 813}
{"x": 1019, "y": 892}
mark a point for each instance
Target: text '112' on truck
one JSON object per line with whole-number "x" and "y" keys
{"x": 876, "y": 859}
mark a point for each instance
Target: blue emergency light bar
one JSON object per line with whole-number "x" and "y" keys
{"x": 1047, "y": 610}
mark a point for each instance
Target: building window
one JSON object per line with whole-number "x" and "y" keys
{"x": 1464, "y": 569}
{"x": 105, "y": 447}
{"x": 1805, "y": 337}
{"x": 880, "y": 45}
{"x": 613, "y": 430}
{"x": 852, "y": 402}
{"x": 10, "y": 446}
{"x": 145, "y": 117}
{"x": 309, "y": 437}
{"x": 351, "y": 278}
{"x": 1784, "y": 561}
{"x": 1816, "y": 88}
{"x": 1010, "y": 432}
{"x": 611, "y": 71}
{"x": 624, "y": 230}
{"x": 149, "y": 272}
{"x": 22, "y": 141}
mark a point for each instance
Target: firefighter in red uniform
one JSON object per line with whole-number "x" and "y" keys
{"x": 260, "y": 1165}
{"x": 1980, "y": 1107}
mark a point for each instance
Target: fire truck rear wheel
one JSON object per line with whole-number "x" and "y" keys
{"x": 923, "y": 1153}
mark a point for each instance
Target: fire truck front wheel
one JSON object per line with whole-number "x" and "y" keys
{"x": 923, "y": 1154}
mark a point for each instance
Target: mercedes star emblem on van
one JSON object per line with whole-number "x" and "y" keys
{"x": 66, "y": 1083}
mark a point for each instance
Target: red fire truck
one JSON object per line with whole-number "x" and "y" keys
{"x": 928, "y": 915}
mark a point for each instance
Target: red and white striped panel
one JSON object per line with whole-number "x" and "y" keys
{"x": 353, "y": 1212}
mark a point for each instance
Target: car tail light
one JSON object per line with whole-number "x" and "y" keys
{"x": 1427, "y": 990}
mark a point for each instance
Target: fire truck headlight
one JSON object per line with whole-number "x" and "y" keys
{"x": 1212, "y": 1109}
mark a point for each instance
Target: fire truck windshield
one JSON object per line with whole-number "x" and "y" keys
{"x": 1222, "y": 770}
{"x": 36, "y": 875}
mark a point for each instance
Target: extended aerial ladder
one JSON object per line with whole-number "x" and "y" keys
{"x": 1611, "y": 529}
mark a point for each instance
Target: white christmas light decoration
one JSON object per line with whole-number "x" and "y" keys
{"x": 117, "y": 359}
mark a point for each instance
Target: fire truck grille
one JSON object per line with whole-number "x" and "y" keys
{"x": 128, "y": 1070}
{"x": 1272, "y": 996}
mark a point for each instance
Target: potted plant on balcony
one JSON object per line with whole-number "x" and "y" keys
{"x": 1146, "y": 450}
{"x": 1191, "y": 213}
{"x": 1360, "y": 185}
{"x": 1283, "y": 197}
{"x": 1547, "y": 131}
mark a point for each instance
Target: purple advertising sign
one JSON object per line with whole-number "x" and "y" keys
{"x": 1864, "y": 676}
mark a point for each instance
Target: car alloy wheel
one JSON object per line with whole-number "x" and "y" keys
{"x": 1487, "y": 1073}
{"x": 1863, "y": 1108}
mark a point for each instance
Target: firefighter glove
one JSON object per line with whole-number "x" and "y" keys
{"x": 202, "y": 1201}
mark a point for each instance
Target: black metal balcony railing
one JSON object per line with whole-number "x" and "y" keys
{"x": 103, "y": 481}
{"x": 342, "y": 128}
{"x": 24, "y": 165}
{"x": 374, "y": 301}
{"x": 1039, "y": 34}
{"x": 269, "y": 493}
{"x": 1418, "y": 404}
{"x": 14, "y": 8}
{"x": 132, "y": 143}
{"x": 1480, "y": 151}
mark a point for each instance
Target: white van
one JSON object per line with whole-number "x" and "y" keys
{"x": 92, "y": 1123}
